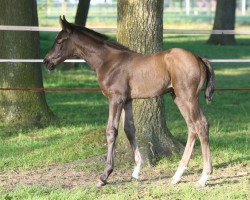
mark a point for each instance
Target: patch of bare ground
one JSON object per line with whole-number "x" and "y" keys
{"x": 71, "y": 175}
{"x": 62, "y": 175}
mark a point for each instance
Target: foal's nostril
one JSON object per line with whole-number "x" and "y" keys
{"x": 46, "y": 59}
{"x": 46, "y": 62}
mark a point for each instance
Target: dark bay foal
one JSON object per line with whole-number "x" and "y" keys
{"x": 124, "y": 75}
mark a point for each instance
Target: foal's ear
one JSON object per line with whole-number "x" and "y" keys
{"x": 65, "y": 24}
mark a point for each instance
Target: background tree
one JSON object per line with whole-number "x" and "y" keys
{"x": 16, "y": 106}
{"x": 80, "y": 19}
{"x": 82, "y": 12}
{"x": 224, "y": 20}
{"x": 140, "y": 27}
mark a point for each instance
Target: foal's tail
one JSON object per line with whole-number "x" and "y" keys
{"x": 210, "y": 83}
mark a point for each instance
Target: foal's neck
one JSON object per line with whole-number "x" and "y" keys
{"x": 92, "y": 50}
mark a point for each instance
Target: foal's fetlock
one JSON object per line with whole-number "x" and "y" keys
{"x": 178, "y": 174}
{"x": 210, "y": 171}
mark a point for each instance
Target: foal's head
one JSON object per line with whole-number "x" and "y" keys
{"x": 62, "y": 48}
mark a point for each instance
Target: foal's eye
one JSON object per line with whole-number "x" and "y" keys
{"x": 59, "y": 41}
{"x": 61, "y": 38}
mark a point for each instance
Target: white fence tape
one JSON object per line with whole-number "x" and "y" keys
{"x": 37, "y": 61}
{"x": 113, "y": 30}
{"x": 229, "y": 60}
{"x": 47, "y": 29}
{"x": 206, "y": 32}
{"x": 83, "y": 61}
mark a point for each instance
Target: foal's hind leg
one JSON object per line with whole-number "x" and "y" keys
{"x": 197, "y": 124}
{"x": 129, "y": 129}
{"x": 203, "y": 133}
{"x": 184, "y": 108}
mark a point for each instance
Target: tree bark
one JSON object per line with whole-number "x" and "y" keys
{"x": 82, "y": 12}
{"x": 140, "y": 27}
{"x": 17, "y": 107}
{"x": 80, "y": 19}
{"x": 224, "y": 20}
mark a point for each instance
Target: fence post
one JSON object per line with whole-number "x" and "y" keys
{"x": 243, "y": 7}
{"x": 187, "y": 7}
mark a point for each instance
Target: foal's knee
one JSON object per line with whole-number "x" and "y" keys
{"x": 127, "y": 129}
{"x": 111, "y": 134}
{"x": 129, "y": 133}
{"x": 205, "y": 124}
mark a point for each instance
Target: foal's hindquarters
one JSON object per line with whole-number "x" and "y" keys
{"x": 188, "y": 77}
{"x": 183, "y": 74}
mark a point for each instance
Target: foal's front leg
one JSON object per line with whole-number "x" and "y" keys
{"x": 115, "y": 108}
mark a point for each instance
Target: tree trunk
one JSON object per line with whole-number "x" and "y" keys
{"x": 80, "y": 19}
{"x": 82, "y": 12}
{"x": 224, "y": 20}
{"x": 17, "y": 107}
{"x": 140, "y": 27}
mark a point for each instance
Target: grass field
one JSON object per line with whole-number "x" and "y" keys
{"x": 63, "y": 159}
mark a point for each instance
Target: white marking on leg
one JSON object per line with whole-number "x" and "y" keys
{"x": 203, "y": 180}
{"x": 178, "y": 174}
{"x": 136, "y": 172}
{"x": 138, "y": 162}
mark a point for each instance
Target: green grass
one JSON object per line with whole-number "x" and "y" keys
{"x": 79, "y": 133}
{"x": 134, "y": 190}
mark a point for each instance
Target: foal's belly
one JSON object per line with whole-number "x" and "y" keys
{"x": 149, "y": 86}
{"x": 148, "y": 76}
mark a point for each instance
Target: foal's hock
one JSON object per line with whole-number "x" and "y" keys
{"x": 124, "y": 75}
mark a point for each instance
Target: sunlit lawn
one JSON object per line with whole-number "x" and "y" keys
{"x": 79, "y": 133}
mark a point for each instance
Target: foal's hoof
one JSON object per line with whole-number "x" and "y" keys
{"x": 178, "y": 174}
{"x": 201, "y": 184}
{"x": 203, "y": 180}
{"x": 175, "y": 181}
{"x": 133, "y": 179}
{"x": 135, "y": 176}
{"x": 101, "y": 183}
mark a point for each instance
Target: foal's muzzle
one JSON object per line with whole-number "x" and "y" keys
{"x": 48, "y": 64}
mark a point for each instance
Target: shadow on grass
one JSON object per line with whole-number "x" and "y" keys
{"x": 226, "y": 180}
{"x": 230, "y": 162}
{"x": 219, "y": 181}
{"x": 42, "y": 143}
{"x": 129, "y": 179}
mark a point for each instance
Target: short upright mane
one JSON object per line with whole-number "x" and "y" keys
{"x": 98, "y": 36}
